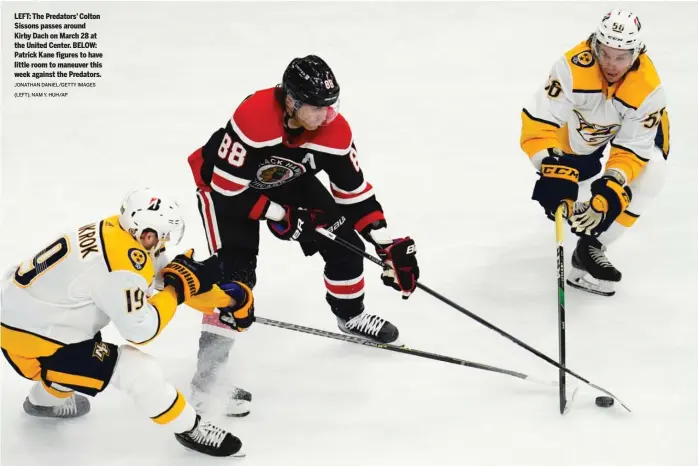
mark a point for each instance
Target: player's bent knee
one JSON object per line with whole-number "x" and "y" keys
{"x": 86, "y": 367}
{"x": 136, "y": 371}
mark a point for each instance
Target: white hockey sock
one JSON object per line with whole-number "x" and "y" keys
{"x": 138, "y": 375}
{"x": 38, "y": 396}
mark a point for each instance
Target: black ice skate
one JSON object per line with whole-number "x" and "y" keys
{"x": 370, "y": 327}
{"x": 239, "y": 403}
{"x": 75, "y": 406}
{"x": 210, "y": 440}
{"x": 591, "y": 269}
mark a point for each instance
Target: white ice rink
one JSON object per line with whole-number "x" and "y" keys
{"x": 433, "y": 94}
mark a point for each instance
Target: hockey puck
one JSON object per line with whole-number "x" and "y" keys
{"x": 604, "y": 401}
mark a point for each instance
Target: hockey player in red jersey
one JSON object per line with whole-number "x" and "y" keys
{"x": 261, "y": 167}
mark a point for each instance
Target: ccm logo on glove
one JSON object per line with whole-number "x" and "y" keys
{"x": 558, "y": 171}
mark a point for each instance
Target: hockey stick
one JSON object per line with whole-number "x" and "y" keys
{"x": 332, "y": 237}
{"x": 559, "y": 239}
{"x": 400, "y": 349}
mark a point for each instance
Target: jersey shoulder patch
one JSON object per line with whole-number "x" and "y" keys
{"x": 586, "y": 75}
{"x": 638, "y": 84}
{"x": 335, "y": 138}
{"x": 258, "y": 120}
{"x": 122, "y": 252}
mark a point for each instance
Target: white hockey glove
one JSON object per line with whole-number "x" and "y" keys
{"x": 608, "y": 200}
{"x": 585, "y": 218}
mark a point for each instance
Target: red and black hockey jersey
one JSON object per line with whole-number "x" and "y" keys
{"x": 254, "y": 154}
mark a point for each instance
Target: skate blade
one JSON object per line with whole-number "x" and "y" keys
{"x": 584, "y": 281}
{"x": 397, "y": 342}
{"x": 238, "y": 410}
{"x": 190, "y": 448}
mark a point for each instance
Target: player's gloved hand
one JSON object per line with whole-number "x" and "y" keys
{"x": 558, "y": 182}
{"x": 298, "y": 224}
{"x": 190, "y": 277}
{"x": 241, "y": 315}
{"x": 608, "y": 199}
{"x": 402, "y": 270}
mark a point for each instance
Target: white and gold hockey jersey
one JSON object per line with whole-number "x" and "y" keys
{"x": 578, "y": 113}
{"x": 79, "y": 283}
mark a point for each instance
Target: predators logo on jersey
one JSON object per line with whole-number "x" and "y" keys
{"x": 137, "y": 257}
{"x": 101, "y": 350}
{"x": 584, "y": 59}
{"x": 593, "y": 133}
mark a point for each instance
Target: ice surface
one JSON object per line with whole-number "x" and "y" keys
{"x": 433, "y": 94}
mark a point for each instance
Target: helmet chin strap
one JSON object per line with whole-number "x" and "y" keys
{"x": 292, "y": 132}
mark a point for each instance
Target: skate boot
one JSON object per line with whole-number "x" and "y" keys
{"x": 591, "y": 269}
{"x": 238, "y": 403}
{"x": 370, "y": 327}
{"x": 210, "y": 440}
{"x": 74, "y": 406}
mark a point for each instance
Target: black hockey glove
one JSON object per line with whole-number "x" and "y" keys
{"x": 298, "y": 224}
{"x": 240, "y": 316}
{"x": 402, "y": 270}
{"x": 558, "y": 182}
{"x": 190, "y": 277}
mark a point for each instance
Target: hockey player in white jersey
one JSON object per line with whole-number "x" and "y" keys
{"x": 55, "y": 304}
{"x": 603, "y": 92}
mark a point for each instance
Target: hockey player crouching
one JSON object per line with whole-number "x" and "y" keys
{"x": 55, "y": 304}
{"x": 605, "y": 91}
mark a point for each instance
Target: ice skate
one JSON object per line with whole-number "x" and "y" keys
{"x": 591, "y": 269}
{"x": 210, "y": 440}
{"x": 370, "y": 327}
{"x": 75, "y": 406}
{"x": 239, "y": 403}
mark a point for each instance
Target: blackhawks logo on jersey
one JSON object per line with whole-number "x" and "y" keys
{"x": 276, "y": 171}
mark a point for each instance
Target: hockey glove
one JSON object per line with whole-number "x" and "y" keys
{"x": 402, "y": 270}
{"x": 241, "y": 315}
{"x": 558, "y": 182}
{"x": 298, "y": 224}
{"x": 608, "y": 199}
{"x": 190, "y": 277}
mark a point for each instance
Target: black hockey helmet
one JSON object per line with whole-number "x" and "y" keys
{"x": 309, "y": 80}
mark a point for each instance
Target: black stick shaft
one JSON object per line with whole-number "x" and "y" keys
{"x": 397, "y": 349}
{"x": 475, "y": 317}
{"x": 559, "y": 238}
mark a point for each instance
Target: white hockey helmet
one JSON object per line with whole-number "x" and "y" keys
{"x": 145, "y": 209}
{"x": 619, "y": 29}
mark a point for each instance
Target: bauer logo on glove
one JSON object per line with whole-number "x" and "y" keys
{"x": 401, "y": 272}
{"x": 298, "y": 224}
